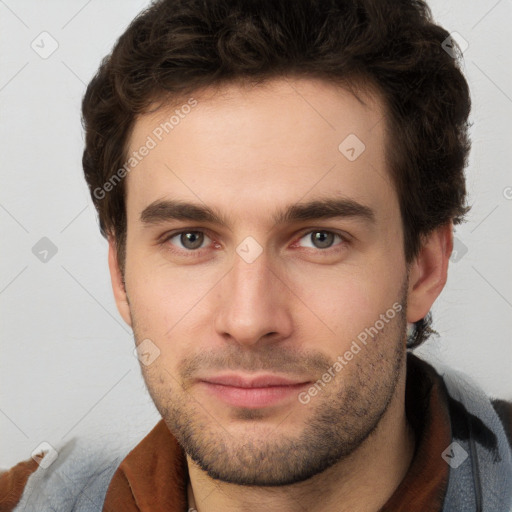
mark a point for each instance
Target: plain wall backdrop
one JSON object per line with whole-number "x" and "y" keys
{"x": 67, "y": 366}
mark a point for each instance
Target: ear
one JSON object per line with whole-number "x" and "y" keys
{"x": 118, "y": 286}
{"x": 429, "y": 272}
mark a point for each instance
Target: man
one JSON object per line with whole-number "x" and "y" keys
{"x": 278, "y": 183}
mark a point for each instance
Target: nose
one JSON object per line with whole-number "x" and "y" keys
{"x": 254, "y": 304}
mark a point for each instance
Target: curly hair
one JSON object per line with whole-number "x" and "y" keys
{"x": 177, "y": 47}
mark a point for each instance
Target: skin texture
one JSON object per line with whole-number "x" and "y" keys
{"x": 248, "y": 153}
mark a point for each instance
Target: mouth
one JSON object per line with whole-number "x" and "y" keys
{"x": 252, "y": 392}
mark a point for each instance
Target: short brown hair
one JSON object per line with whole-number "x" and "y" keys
{"x": 177, "y": 47}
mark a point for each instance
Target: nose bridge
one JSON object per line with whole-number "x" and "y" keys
{"x": 251, "y": 304}
{"x": 251, "y": 287}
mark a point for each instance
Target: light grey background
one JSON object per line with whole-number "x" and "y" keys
{"x": 67, "y": 366}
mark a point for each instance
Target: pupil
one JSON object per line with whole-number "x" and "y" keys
{"x": 192, "y": 239}
{"x": 323, "y": 239}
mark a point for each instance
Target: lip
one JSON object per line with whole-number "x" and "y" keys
{"x": 252, "y": 392}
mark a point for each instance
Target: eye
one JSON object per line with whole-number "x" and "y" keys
{"x": 189, "y": 240}
{"x": 321, "y": 239}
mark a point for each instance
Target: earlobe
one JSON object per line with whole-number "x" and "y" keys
{"x": 429, "y": 271}
{"x": 118, "y": 285}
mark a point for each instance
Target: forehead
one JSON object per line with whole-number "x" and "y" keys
{"x": 247, "y": 149}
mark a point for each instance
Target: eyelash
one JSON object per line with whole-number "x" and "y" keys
{"x": 329, "y": 251}
{"x": 198, "y": 252}
{"x": 188, "y": 252}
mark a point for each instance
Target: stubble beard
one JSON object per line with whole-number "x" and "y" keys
{"x": 338, "y": 419}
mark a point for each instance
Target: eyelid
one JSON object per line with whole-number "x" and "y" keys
{"x": 345, "y": 238}
{"x": 166, "y": 237}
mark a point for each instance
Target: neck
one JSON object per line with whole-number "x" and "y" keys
{"x": 363, "y": 481}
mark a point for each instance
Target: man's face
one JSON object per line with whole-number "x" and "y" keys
{"x": 228, "y": 303}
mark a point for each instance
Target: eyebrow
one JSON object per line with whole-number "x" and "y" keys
{"x": 165, "y": 210}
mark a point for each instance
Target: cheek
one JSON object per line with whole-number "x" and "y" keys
{"x": 343, "y": 302}
{"x": 164, "y": 299}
